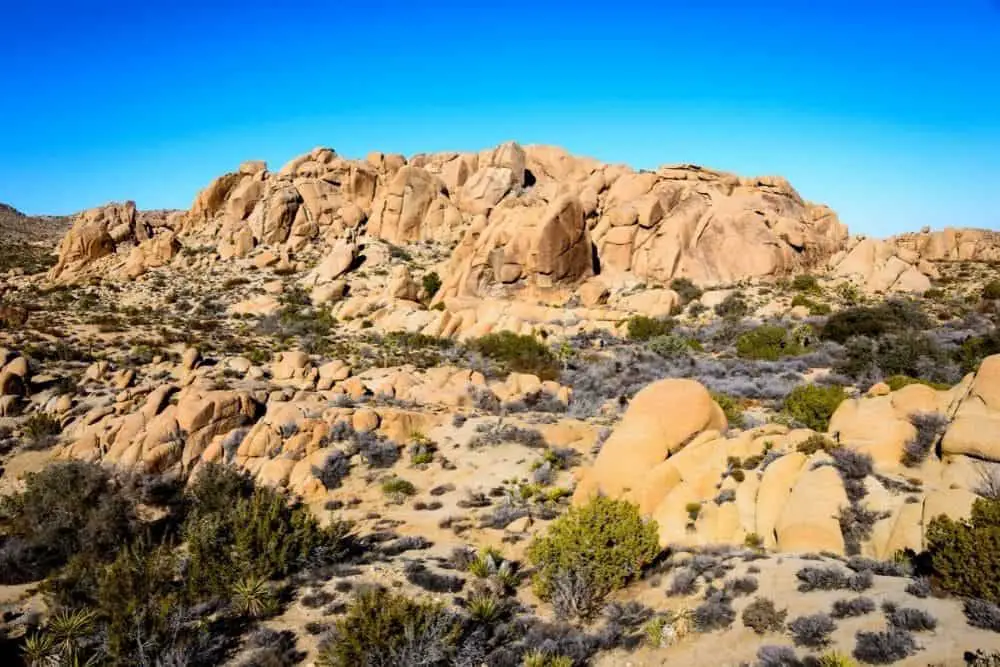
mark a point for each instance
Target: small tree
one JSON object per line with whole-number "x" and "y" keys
{"x": 813, "y": 405}
{"x": 594, "y": 549}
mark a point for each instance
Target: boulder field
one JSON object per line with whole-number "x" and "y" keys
{"x": 672, "y": 456}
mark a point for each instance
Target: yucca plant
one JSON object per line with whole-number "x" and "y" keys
{"x": 252, "y": 597}
{"x": 39, "y": 650}
{"x": 485, "y": 606}
{"x": 67, "y": 628}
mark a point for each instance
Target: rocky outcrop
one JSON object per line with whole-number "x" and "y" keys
{"x": 879, "y": 266}
{"x": 531, "y": 216}
{"x": 669, "y": 455}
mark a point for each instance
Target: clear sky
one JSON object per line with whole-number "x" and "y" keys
{"x": 889, "y": 111}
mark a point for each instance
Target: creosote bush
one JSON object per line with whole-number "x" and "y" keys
{"x": 883, "y": 648}
{"x": 600, "y": 546}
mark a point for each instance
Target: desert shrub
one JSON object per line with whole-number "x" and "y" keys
{"x": 805, "y": 283}
{"x": 965, "y": 555}
{"x": 883, "y": 568}
{"x": 604, "y": 544}
{"x": 66, "y": 509}
{"x": 741, "y": 586}
{"x": 874, "y": 321}
{"x": 777, "y": 656}
{"x": 834, "y": 659}
{"x": 715, "y": 613}
{"x": 762, "y": 616}
{"x": 930, "y": 426}
{"x": 919, "y": 588}
{"x": 974, "y": 349}
{"x": 812, "y": 405}
{"x": 812, "y": 631}
{"x": 827, "y": 578}
{"x": 991, "y": 290}
{"x": 734, "y": 306}
{"x": 852, "y": 464}
{"x": 518, "y": 353}
{"x": 851, "y": 607}
{"x": 498, "y": 432}
{"x": 897, "y": 382}
{"x": 684, "y": 582}
{"x": 856, "y": 524}
{"x": 981, "y": 659}
{"x": 883, "y": 648}
{"x": 642, "y": 328}
{"x": 216, "y": 487}
{"x": 860, "y": 581}
{"x": 260, "y": 536}
{"x": 767, "y": 342}
{"x": 335, "y": 468}
{"x": 982, "y": 614}
{"x": 914, "y": 620}
{"x": 417, "y": 574}
{"x": 377, "y": 450}
{"x": 396, "y": 487}
{"x": 731, "y": 408}
{"x": 815, "y": 443}
{"x": 669, "y": 346}
{"x": 41, "y": 429}
{"x": 431, "y": 283}
{"x": 685, "y": 289}
{"x": 382, "y": 628}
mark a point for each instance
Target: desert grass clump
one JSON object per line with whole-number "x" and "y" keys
{"x": 597, "y": 548}
{"x": 851, "y": 607}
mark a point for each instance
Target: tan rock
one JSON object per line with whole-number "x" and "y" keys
{"x": 659, "y": 420}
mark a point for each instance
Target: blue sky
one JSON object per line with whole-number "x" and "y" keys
{"x": 887, "y": 111}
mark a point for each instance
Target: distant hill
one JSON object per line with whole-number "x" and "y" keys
{"x": 16, "y": 227}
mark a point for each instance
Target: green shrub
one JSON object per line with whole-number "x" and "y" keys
{"x": 257, "y": 536}
{"x": 734, "y": 306}
{"x": 685, "y": 289}
{"x": 66, "y": 509}
{"x": 897, "y": 382}
{"x": 518, "y": 353}
{"x": 873, "y": 321}
{"x": 812, "y": 405}
{"x": 731, "y": 408}
{"x": 397, "y": 486}
{"x": 992, "y": 290}
{"x": 41, "y": 429}
{"x": 669, "y": 346}
{"x": 601, "y": 545}
{"x": 767, "y": 342}
{"x": 432, "y": 283}
{"x": 965, "y": 555}
{"x": 383, "y": 628}
{"x": 805, "y": 283}
{"x": 815, "y": 443}
{"x": 815, "y": 307}
{"x": 642, "y": 328}
{"x": 974, "y": 349}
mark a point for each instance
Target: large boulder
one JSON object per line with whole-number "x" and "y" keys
{"x": 660, "y": 420}
{"x": 975, "y": 430}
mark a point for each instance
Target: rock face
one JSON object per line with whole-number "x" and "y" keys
{"x": 525, "y": 217}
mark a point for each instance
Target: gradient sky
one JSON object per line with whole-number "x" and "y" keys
{"x": 888, "y": 111}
